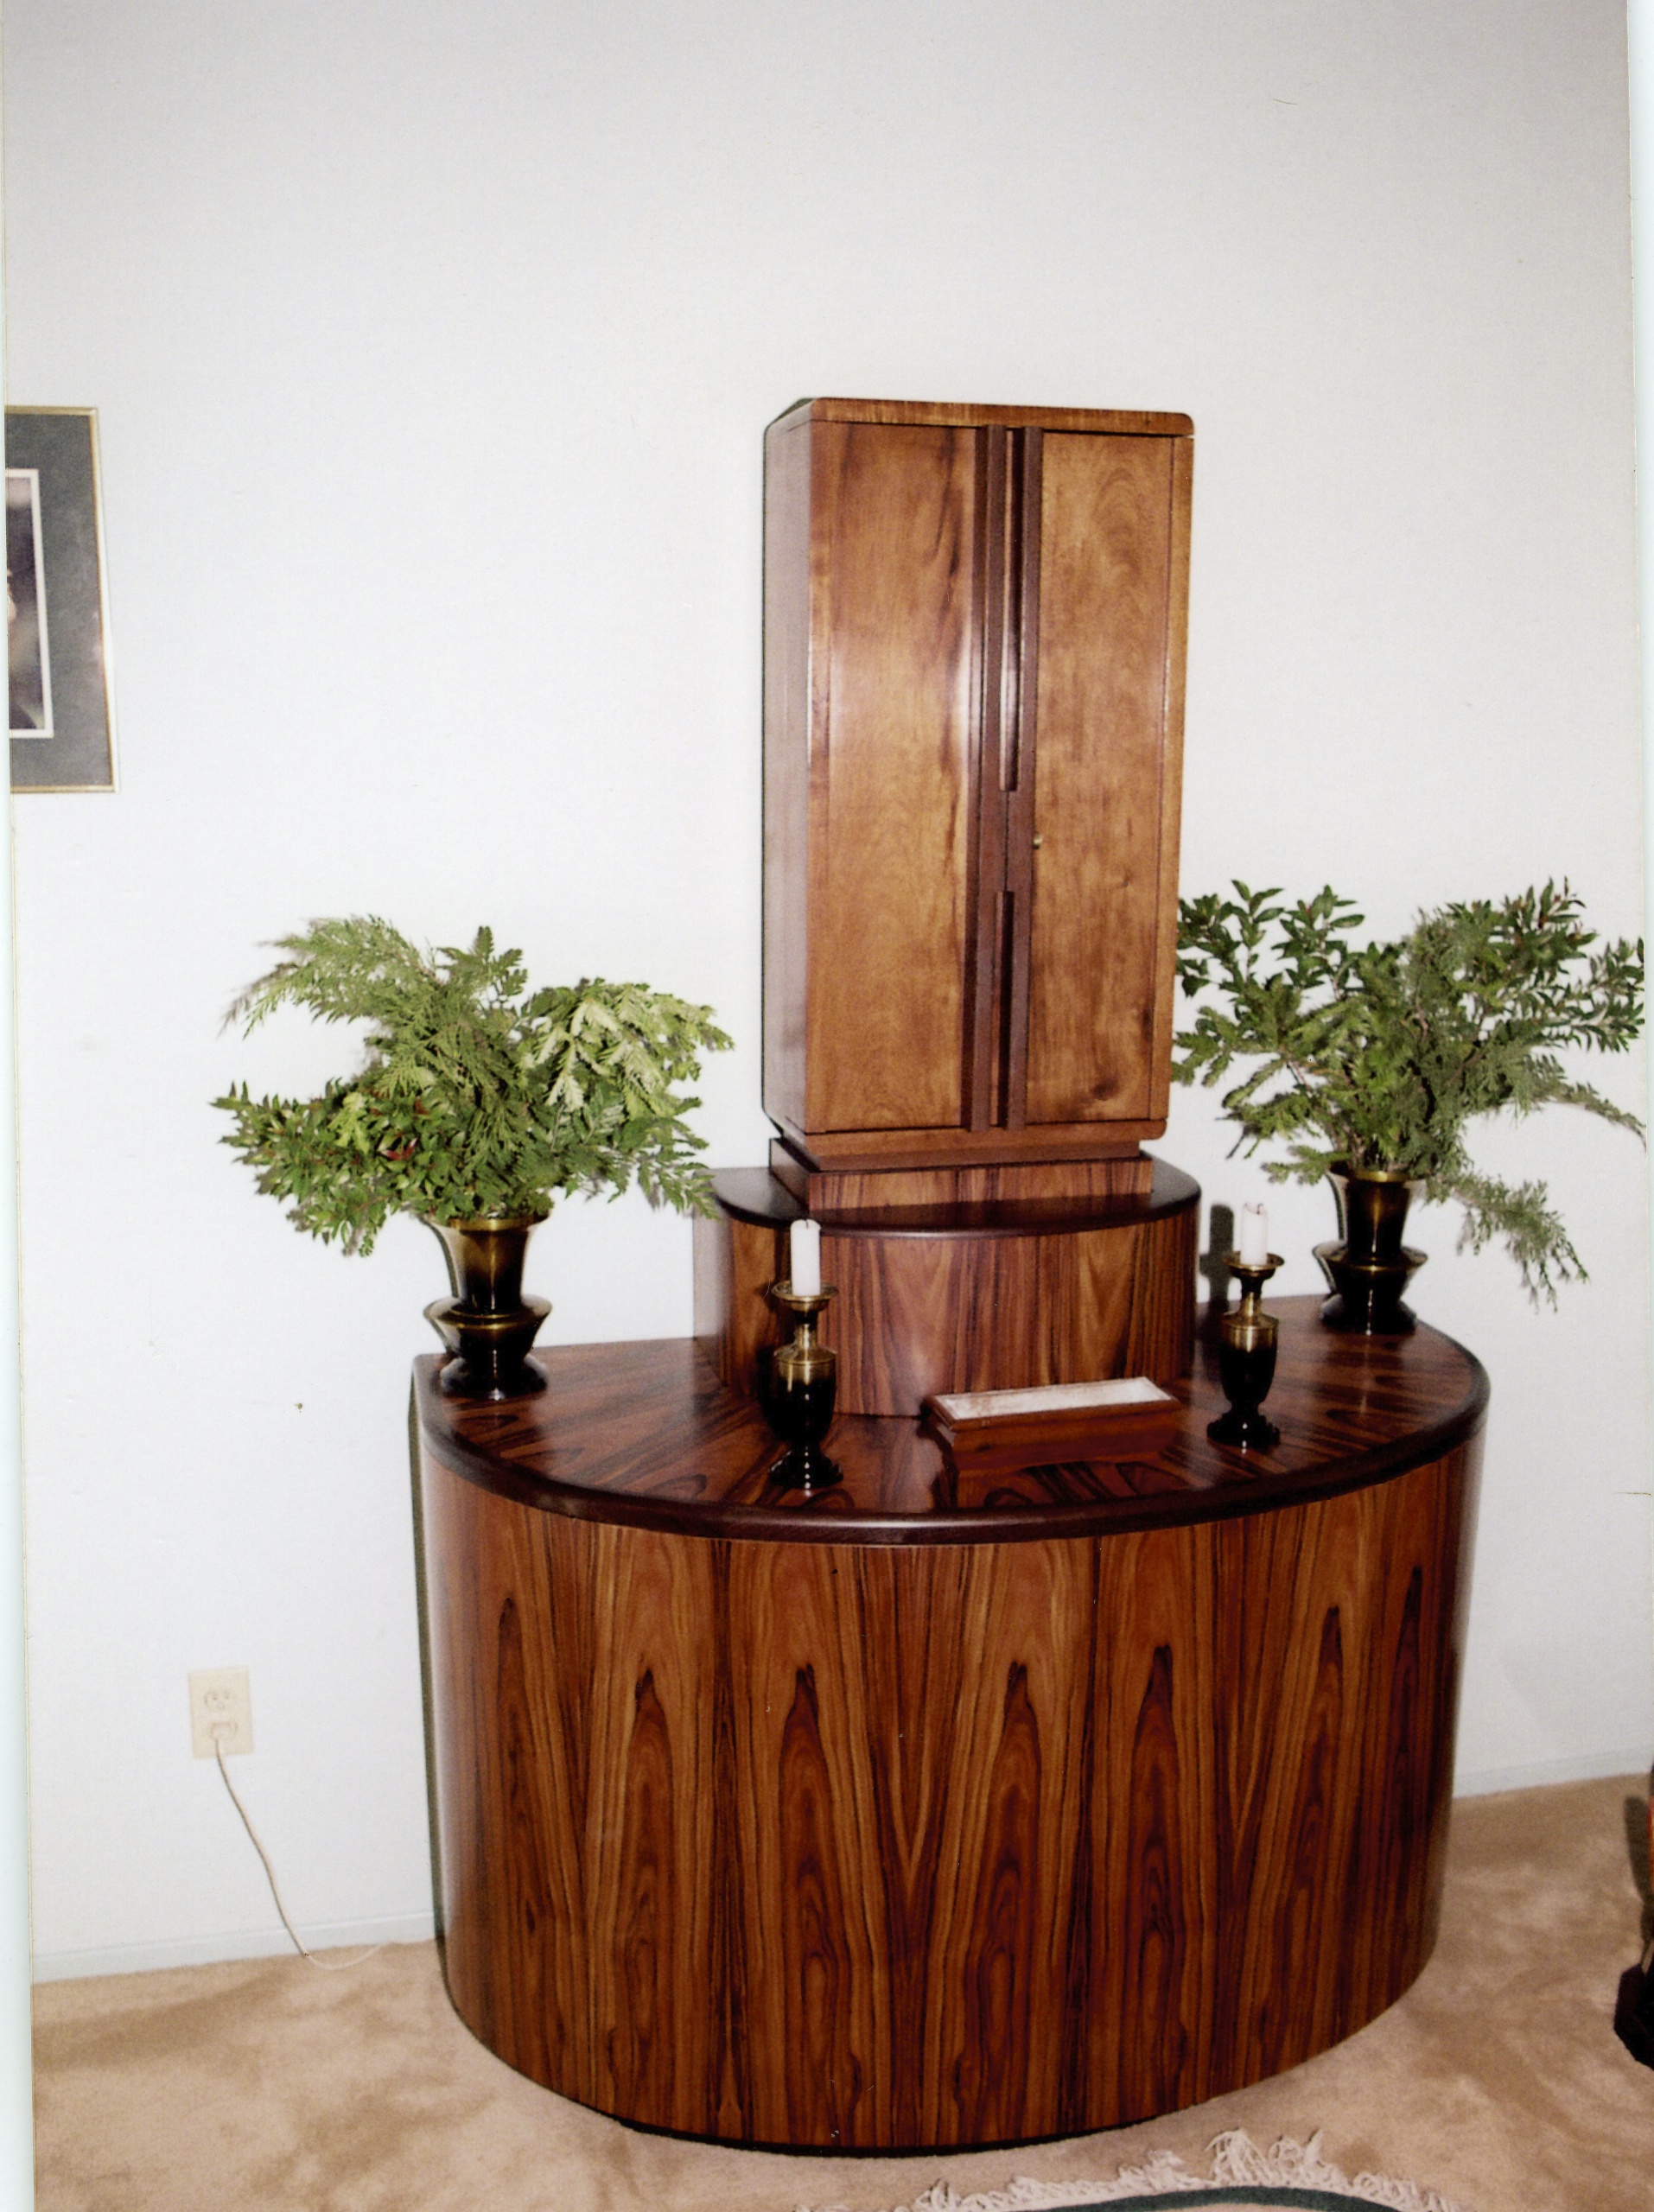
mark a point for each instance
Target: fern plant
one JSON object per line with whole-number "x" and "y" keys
{"x": 477, "y": 1097}
{"x": 1377, "y": 1056}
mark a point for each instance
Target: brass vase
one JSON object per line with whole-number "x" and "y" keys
{"x": 1370, "y": 1267}
{"x": 488, "y": 1324}
{"x": 802, "y": 1391}
{"x": 1247, "y": 1341}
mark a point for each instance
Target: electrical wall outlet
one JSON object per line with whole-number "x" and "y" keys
{"x": 221, "y": 1711}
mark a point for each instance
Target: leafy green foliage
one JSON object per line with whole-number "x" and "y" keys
{"x": 476, "y": 1097}
{"x": 1378, "y": 1055}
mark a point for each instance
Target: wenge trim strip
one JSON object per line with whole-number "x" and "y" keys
{"x": 1021, "y": 782}
{"x": 984, "y": 981}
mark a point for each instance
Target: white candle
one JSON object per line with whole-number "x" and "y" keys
{"x": 1255, "y": 1237}
{"x": 804, "y": 1240}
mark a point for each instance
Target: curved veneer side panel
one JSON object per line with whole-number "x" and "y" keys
{"x": 919, "y": 1311}
{"x": 873, "y": 1847}
{"x": 1160, "y": 1341}
{"x": 735, "y": 1262}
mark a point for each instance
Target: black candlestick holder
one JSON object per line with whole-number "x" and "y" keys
{"x": 1246, "y": 1351}
{"x": 802, "y": 1390}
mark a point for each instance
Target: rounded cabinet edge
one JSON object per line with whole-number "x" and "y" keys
{"x": 823, "y": 1522}
{"x": 755, "y": 1196}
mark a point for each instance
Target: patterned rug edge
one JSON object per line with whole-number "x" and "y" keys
{"x": 1296, "y": 2172}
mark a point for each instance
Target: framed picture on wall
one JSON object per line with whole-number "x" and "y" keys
{"x": 62, "y": 721}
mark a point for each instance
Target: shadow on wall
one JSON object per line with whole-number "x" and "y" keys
{"x": 1212, "y": 1262}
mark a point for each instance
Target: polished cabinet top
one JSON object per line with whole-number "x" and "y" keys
{"x": 646, "y": 1434}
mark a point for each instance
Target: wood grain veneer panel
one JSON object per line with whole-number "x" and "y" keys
{"x": 916, "y": 1314}
{"x": 1105, "y": 593}
{"x": 1153, "y": 1864}
{"x": 1161, "y": 1334}
{"x": 891, "y": 770}
{"x": 1163, "y": 1018}
{"x": 735, "y": 1264}
{"x": 787, "y": 760}
{"x": 945, "y": 584}
{"x": 923, "y": 1307}
{"x": 868, "y": 1847}
{"x": 501, "y": 1721}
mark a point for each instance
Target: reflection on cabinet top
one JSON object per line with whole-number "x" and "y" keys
{"x": 646, "y": 1434}
{"x": 950, "y": 414}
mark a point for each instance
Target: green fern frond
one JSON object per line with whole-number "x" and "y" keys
{"x": 474, "y": 1099}
{"x": 1379, "y": 1055}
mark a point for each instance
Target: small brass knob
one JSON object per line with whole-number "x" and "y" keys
{"x": 1038, "y": 841}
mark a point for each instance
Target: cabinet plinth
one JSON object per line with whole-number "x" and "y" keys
{"x": 902, "y": 1818}
{"x": 974, "y": 646}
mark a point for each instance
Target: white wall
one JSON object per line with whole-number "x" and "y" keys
{"x": 433, "y": 346}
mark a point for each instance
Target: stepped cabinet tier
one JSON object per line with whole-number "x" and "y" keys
{"x": 975, "y": 620}
{"x": 1002, "y": 1294}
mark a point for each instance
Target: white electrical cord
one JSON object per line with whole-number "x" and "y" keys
{"x": 327, "y": 1965}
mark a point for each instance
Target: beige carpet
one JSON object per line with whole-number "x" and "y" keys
{"x": 268, "y": 2087}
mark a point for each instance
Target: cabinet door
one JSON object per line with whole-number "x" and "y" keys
{"x": 896, "y": 565}
{"x": 1112, "y": 562}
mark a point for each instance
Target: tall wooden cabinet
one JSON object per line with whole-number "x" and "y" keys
{"x": 974, "y": 636}
{"x": 974, "y": 622}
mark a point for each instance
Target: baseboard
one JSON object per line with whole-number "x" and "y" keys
{"x": 1594, "y": 1766}
{"x": 242, "y": 1943}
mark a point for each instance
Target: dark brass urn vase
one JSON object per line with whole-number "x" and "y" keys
{"x": 488, "y": 1324}
{"x": 1370, "y": 1267}
{"x": 802, "y": 1391}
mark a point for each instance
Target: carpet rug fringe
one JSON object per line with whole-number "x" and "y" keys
{"x": 1237, "y": 2162}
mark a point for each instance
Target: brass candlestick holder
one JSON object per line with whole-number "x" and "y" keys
{"x": 803, "y": 1387}
{"x": 1246, "y": 1359}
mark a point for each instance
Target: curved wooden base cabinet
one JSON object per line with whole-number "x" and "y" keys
{"x": 899, "y": 1817}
